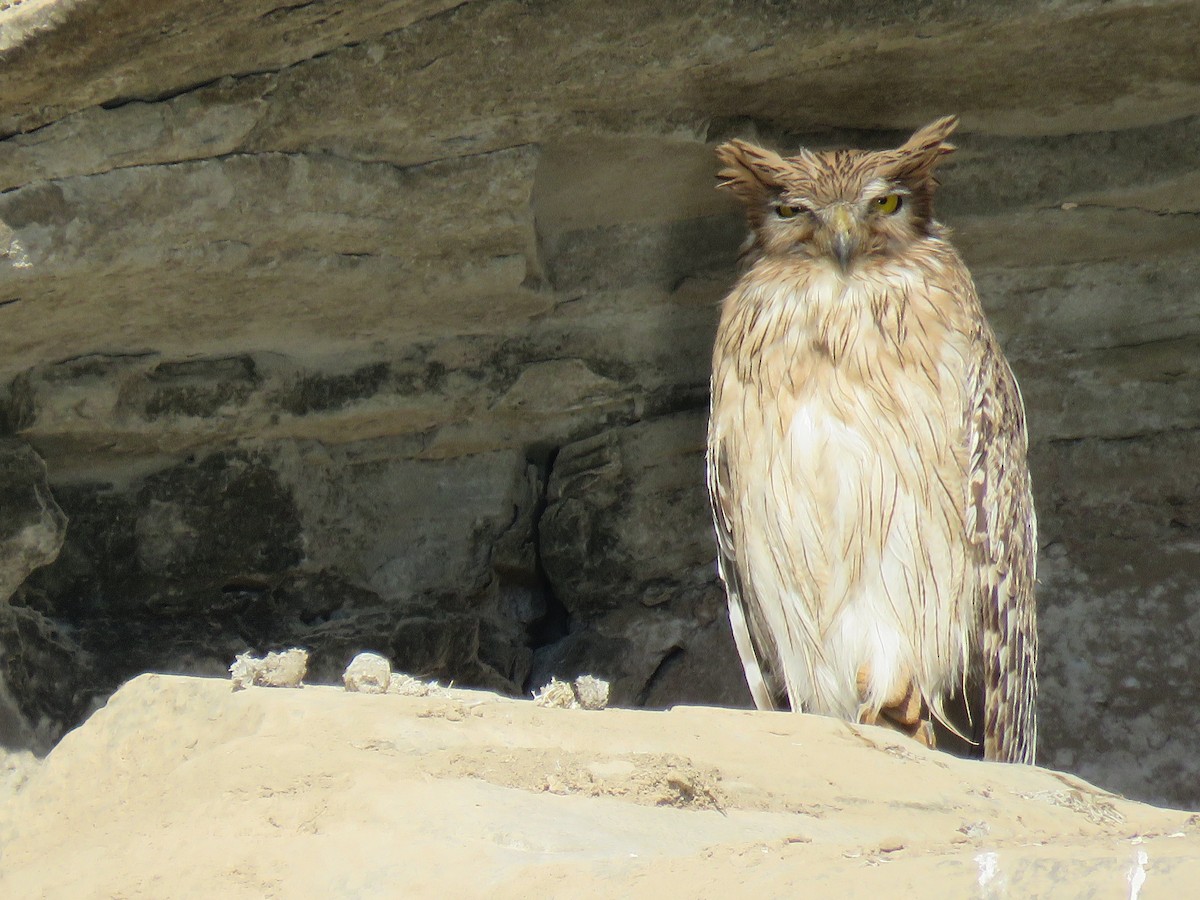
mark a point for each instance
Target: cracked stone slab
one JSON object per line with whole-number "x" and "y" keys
{"x": 174, "y": 46}
{"x": 169, "y": 47}
{"x": 283, "y": 240}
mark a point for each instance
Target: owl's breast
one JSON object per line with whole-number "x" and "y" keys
{"x": 848, "y": 487}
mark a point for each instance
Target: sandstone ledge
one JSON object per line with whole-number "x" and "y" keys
{"x": 180, "y": 787}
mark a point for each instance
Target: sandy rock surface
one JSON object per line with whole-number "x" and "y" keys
{"x": 181, "y": 787}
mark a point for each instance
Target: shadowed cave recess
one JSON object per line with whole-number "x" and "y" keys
{"x": 386, "y": 326}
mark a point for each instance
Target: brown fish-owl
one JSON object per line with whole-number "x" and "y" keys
{"x": 867, "y": 457}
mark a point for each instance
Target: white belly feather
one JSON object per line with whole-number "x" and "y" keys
{"x": 863, "y": 564}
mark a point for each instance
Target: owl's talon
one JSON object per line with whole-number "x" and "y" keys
{"x": 904, "y": 706}
{"x": 903, "y": 709}
{"x": 867, "y": 714}
{"x": 863, "y": 681}
{"x": 923, "y": 734}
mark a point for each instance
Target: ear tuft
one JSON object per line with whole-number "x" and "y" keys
{"x": 752, "y": 173}
{"x": 932, "y": 138}
{"x": 916, "y": 158}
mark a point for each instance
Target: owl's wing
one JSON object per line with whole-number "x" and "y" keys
{"x": 1002, "y": 525}
{"x": 750, "y": 633}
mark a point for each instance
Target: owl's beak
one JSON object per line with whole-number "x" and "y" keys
{"x": 844, "y": 238}
{"x": 843, "y": 248}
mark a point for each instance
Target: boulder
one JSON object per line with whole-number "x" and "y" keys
{"x": 318, "y": 792}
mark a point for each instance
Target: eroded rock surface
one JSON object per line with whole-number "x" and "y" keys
{"x": 319, "y": 792}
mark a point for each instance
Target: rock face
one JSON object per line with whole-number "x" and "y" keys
{"x": 626, "y": 544}
{"x": 35, "y": 697}
{"x": 385, "y": 326}
{"x": 319, "y": 793}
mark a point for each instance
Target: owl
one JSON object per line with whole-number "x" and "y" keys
{"x": 867, "y": 457}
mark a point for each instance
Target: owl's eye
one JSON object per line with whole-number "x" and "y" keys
{"x": 784, "y": 211}
{"x": 888, "y": 204}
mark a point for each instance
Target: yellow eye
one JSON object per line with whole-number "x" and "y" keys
{"x": 888, "y": 204}
{"x": 786, "y": 212}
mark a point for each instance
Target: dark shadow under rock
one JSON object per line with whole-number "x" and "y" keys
{"x": 628, "y": 548}
{"x": 39, "y": 666}
{"x": 45, "y": 680}
{"x": 337, "y": 550}
{"x": 31, "y": 523}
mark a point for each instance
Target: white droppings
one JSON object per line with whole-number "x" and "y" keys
{"x": 15, "y": 251}
{"x": 991, "y": 879}
{"x": 1137, "y": 874}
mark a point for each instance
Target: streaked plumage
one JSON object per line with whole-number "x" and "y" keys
{"x": 867, "y": 456}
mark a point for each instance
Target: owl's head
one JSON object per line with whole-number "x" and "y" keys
{"x": 847, "y": 206}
